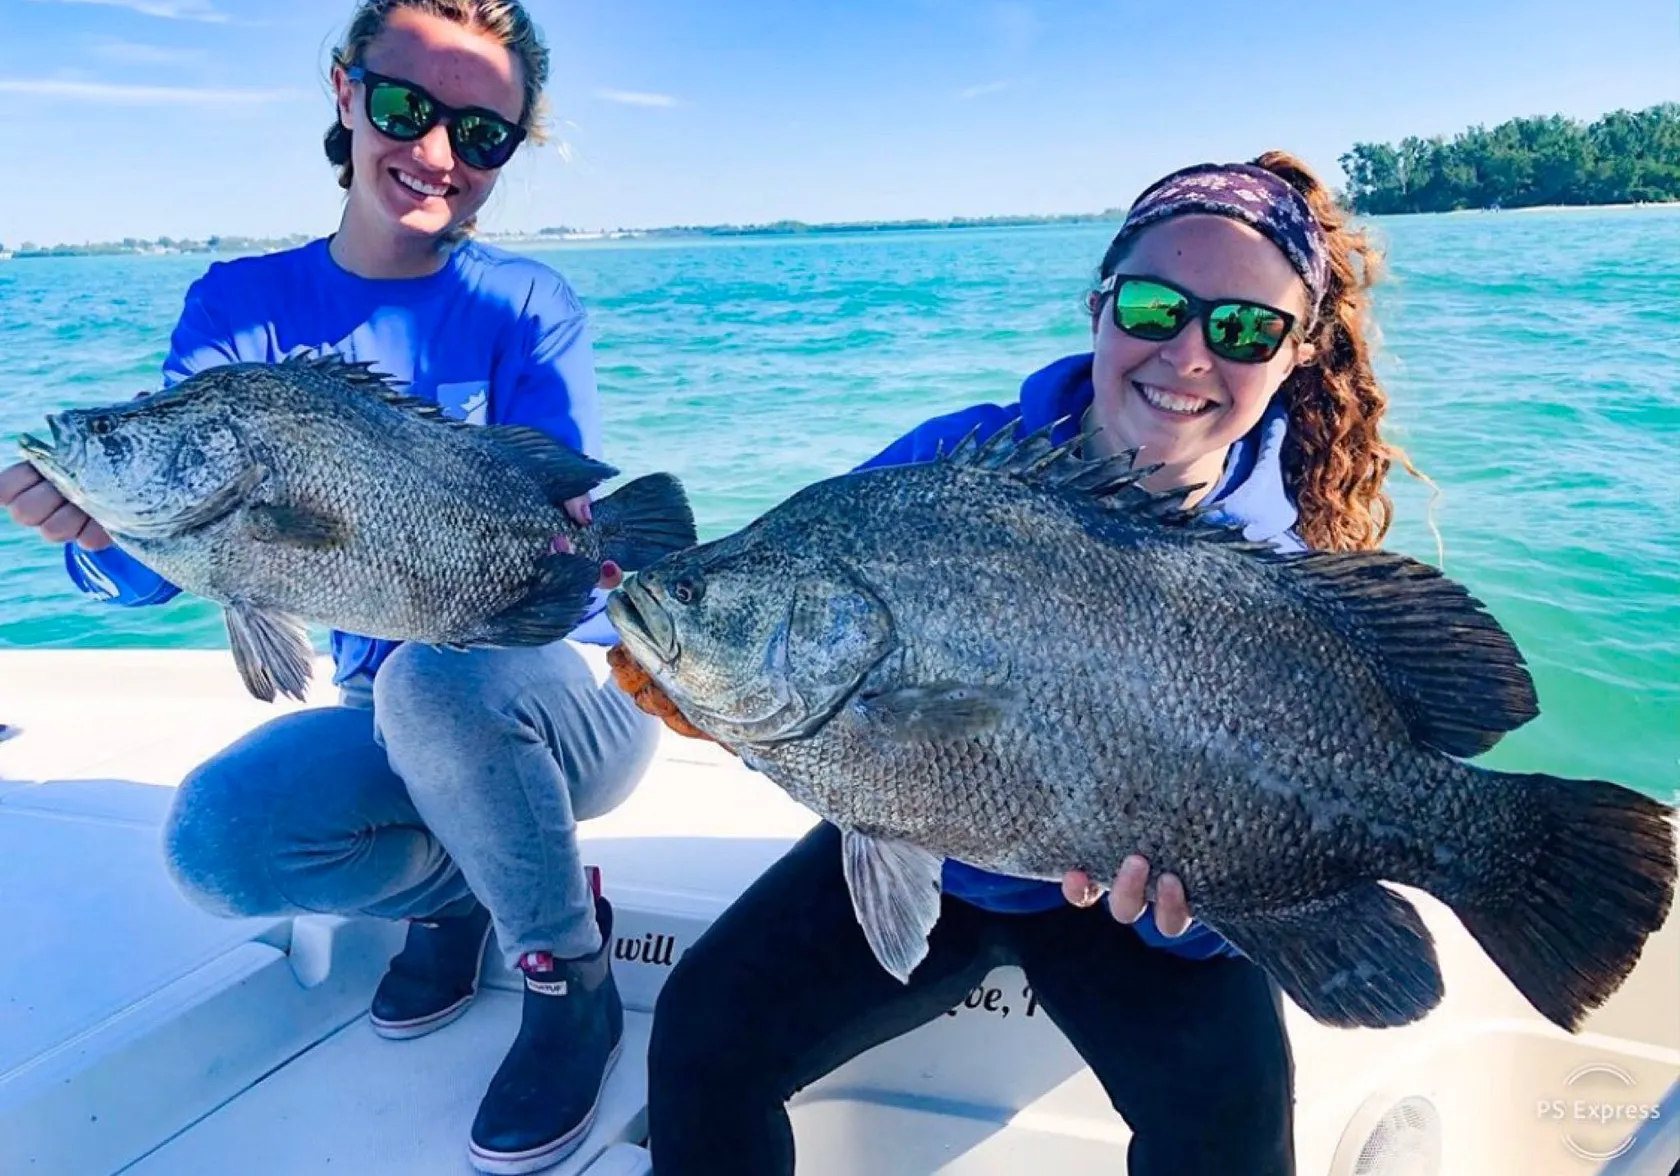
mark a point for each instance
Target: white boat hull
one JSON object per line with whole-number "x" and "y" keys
{"x": 140, "y": 1035}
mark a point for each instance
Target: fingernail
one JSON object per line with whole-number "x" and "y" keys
{"x": 1091, "y": 893}
{"x": 610, "y": 570}
{"x": 1126, "y": 919}
{"x": 561, "y": 544}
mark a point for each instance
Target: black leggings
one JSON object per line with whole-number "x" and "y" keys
{"x": 783, "y": 989}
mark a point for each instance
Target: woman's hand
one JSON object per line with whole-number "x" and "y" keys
{"x": 35, "y": 502}
{"x": 1128, "y": 896}
{"x": 578, "y": 510}
{"x": 649, "y": 698}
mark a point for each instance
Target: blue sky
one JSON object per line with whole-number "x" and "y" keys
{"x": 190, "y": 117}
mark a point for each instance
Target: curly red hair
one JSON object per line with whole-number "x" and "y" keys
{"x": 1335, "y": 458}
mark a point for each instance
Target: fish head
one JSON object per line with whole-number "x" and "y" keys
{"x": 135, "y": 465}
{"x": 754, "y": 644}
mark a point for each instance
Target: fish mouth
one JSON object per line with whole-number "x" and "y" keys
{"x": 46, "y": 456}
{"x": 643, "y": 622}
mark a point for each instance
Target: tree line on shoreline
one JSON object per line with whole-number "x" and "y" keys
{"x": 1625, "y": 157}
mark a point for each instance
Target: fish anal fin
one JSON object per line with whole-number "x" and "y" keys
{"x": 556, "y": 601}
{"x": 1359, "y": 957}
{"x": 271, "y": 650}
{"x": 297, "y": 526}
{"x": 1453, "y": 671}
{"x": 940, "y": 710}
{"x": 895, "y": 894}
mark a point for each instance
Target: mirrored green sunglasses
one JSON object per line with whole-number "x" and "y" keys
{"x": 481, "y": 139}
{"x": 1234, "y": 329}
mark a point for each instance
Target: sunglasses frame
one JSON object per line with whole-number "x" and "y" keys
{"x": 442, "y": 112}
{"x": 1200, "y": 309}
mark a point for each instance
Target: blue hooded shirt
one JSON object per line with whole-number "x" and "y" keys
{"x": 1250, "y": 493}
{"x": 491, "y": 338}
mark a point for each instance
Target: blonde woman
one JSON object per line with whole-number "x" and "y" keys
{"x": 446, "y": 788}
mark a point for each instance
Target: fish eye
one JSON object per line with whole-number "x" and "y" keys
{"x": 688, "y": 591}
{"x": 99, "y": 426}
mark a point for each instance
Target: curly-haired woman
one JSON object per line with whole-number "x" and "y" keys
{"x": 1229, "y": 347}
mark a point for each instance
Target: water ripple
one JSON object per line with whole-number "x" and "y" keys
{"x": 1532, "y": 360}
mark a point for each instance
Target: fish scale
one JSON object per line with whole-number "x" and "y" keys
{"x": 1022, "y": 660}
{"x": 314, "y": 491}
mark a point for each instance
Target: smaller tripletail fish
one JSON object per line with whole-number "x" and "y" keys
{"x": 313, "y": 491}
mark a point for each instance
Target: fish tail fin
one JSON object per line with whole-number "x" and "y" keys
{"x": 552, "y": 607}
{"x": 1569, "y": 925}
{"x": 643, "y": 520}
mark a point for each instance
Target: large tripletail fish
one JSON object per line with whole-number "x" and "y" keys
{"x": 1022, "y": 660}
{"x": 312, "y": 490}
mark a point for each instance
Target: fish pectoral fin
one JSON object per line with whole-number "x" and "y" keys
{"x": 1361, "y": 957}
{"x": 271, "y": 650}
{"x": 215, "y": 505}
{"x": 564, "y": 472}
{"x": 943, "y": 710}
{"x": 895, "y": 893}
{"x": 297, "y": 526}
{"x": 556, "y": 601}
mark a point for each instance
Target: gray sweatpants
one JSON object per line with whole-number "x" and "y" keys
{"x": 462, "y": 773}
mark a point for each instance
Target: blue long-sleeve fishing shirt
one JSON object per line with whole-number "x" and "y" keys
{"x": 492, "y": 338}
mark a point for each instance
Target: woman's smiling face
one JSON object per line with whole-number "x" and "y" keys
{"x": 1176, "y": 401}
{"x": 419, "y": 187}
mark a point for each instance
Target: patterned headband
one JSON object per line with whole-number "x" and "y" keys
{"x": 1248, "y": 194}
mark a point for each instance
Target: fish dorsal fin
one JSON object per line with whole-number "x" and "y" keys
{"x": 1116, "y": 482}
{"x": 1456, "y": 675}
{"x": 365, "y": 377}
{"x": 563, "y": 472}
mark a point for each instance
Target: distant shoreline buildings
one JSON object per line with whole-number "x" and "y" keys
{"x": 131, "y": 246}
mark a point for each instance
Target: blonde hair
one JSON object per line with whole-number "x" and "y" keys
{"x": 506, "y": 21}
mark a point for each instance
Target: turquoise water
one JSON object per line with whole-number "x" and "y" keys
{"x": 1533, "y": 361}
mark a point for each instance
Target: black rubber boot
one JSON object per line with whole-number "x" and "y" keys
{"x": 434, "y": 977}
{"x": 542, "y": 1100}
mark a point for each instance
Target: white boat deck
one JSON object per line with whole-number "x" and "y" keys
{"x": 139, "y": 1035}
